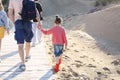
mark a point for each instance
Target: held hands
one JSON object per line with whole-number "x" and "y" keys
{"x": 39, "y": 26}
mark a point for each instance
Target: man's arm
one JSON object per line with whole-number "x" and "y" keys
{"x": 38, "y": 19}
{"x": 11, "y": 15}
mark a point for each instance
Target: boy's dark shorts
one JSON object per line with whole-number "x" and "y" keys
{"x": 23, "y": 31}
{"x": 58, "y": 50}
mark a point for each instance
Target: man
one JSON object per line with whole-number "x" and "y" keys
{"x": 23, "y": 30}
{"x": 37, "y": 33}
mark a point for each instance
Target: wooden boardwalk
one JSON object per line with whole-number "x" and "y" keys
{"x": 37, "y": 68}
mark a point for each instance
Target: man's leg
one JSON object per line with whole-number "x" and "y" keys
{"x": 28, "y": 38}
{"x": 21, "y": 52}
{"x": 27, "y": 49}
{"x": 19, "y": 37}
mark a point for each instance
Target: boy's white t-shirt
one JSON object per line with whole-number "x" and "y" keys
{"x": 16, "y": 5}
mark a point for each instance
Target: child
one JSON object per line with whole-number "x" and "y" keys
{"x": 58, "y": 40}
{"x": 3, "y": 24}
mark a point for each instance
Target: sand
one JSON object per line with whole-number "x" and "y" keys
{"x": 104, "y": 26}
{"x": 89, "y": 55}
{"x": 84, "y": 58}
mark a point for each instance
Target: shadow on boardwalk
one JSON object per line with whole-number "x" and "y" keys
{"x": 9, "y": 55}
{"x": 47, "y": 75}
{"x": 38, "y": 68}
{"x": 13, "y": 74}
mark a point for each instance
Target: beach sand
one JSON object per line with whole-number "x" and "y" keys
{"x": 84, "y": 59}
{"x": 87, "y": 56}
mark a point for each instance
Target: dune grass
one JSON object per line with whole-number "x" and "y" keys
{"x": 104, "y": 2}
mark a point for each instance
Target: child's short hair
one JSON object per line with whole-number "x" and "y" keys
{"x": 58, "y": 20}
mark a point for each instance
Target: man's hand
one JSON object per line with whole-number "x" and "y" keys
{"x": 39, "y": 26}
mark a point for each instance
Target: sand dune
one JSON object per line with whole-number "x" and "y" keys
{"x": 63, "y": 7}
{"x": 104, "y": 26}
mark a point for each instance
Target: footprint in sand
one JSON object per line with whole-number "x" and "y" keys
{"x": 65, "y": 75}
{"x": 107, "y": 69}
{"x": 116, "y": 62}
{"x": 69, "y": 69}
{"x": 50, "y": 48}
{"x": 75, "y": 74}
{"x": 77, "y": 64}
{"x": 101, "y": 75}
{"x": 84, "y": 56}
{"x": 63, "y": 69}
{"x": 83, "y": 77}
{"x": 78, "y": 61}
{"x": 68, "y": 49}
{"x": 118, "y": 71}
{"x": 74, "y": 43}
{"x": 72, "y": 46}
{"x": 69, "y": 38}
{"x": 66, "y": 58}
{"x": 53, "y": 58}
{"x": 96, "y": 78}
{"x": 76, "y": 50}
{"x": 91, "y": 65}
{"x": 92, "y": 59}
